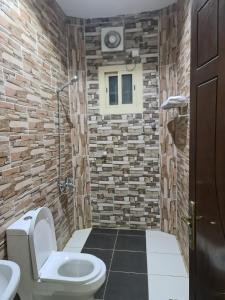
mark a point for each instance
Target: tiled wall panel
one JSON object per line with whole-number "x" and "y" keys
{"x": 183, "y": 86}
{"x": 36, "y": 56}
{"x": 174, "y": 129}
{"x": 79, "y": 132}
{"x": 168, "y": 150}
{"x": 125, "y": 185}
{"x": 33, "y": 60}
{"x": 33, "y": 63}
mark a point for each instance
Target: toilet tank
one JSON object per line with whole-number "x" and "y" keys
{"x": 37, "y": 229}
{"x": 18, "y": 250}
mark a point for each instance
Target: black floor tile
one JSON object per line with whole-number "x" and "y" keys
{"x": 124, "y": 286}
{"x": 131, "y": 243}
{"x": 100, "y": 241}
{"x": 104, "y": 230}
{"x": 105, "y": 255}
{"x": 129, "y": 262}
{"x": 131, "y": 232}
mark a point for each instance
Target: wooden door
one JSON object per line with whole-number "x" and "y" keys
{"x": 207, "y": 150}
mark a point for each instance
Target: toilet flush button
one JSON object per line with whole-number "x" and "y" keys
{"x": 27, "y": 218}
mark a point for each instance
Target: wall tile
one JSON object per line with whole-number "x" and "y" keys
{"x": 33, "y": 63}
{"x": 174, "y": 130}
{"x": 120, "y": 182}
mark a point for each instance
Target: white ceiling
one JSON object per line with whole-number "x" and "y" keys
{"x": 109, "y": 8}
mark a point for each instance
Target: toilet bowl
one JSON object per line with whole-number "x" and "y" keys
{"x": 45, "y": 272}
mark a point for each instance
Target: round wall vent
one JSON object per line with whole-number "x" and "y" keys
{"x": 112, "y": 39}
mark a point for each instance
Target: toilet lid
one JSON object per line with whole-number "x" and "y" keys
{"x": 42, "y": 239}
{"x": 67, "y": 267}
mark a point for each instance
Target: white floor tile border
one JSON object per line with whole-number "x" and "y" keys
{"x": 74, "y": 250}
{"x": 161, "y": 242}
{"x": 166, "y": 265}
{"x": 78, "y": 240}
{"x": 168, "y": 288}
{"x": 167, "y": 275}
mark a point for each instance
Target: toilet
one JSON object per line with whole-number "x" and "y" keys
{"x": 45, "y": 272}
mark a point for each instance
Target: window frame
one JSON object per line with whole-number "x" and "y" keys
{"x": 137, "y": 89}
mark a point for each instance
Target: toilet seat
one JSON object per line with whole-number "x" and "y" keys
{"x": 66, "y": 267}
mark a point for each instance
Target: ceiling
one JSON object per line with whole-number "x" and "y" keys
{"x": 109, "y": 8}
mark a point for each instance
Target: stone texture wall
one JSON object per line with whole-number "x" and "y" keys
{"x": 80, "y": 151}
{"x": 183, "y": 87}
{"x": 125, "y": 186}
{"x": 38, "y": 52}
{"x": 174, "y": 129}
{"x": 168, "y": 150}
{"x": 33, "y": 63}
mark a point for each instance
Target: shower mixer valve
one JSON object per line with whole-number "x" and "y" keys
{"x": 66, "y": 184}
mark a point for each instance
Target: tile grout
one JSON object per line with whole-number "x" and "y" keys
{"x": 167, "y": 275}
{"x": 135, "y": 235}
{"x": 110, "y": 265}
{"x": 104, "y": 249}
{"x": 123, "y": 272}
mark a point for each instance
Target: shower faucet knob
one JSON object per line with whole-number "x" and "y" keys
{"x": 67, "y": 183}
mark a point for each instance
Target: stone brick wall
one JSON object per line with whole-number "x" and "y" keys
{"x": 33, "y": 63}
{"x": 168, "y": 150}
{"x": 174, "y": 129}
{"x": 78, "y": 108}
{"x": 125, "y": 185}
{"x": 38, "y": 52}
{"x": 183, "y": 86}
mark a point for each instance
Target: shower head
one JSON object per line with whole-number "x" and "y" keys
{"x": 72, "y": 80}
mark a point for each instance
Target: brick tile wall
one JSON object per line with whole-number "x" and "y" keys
{"x": 33, "y": 63}
{"x": 125, "y": 186}
{"x": 174, "y": 130}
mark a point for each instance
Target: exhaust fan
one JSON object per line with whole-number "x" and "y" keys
{"x": 112, "y": 39}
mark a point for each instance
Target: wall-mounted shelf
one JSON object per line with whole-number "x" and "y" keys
{"x": 186, "y": 116}
{"x": 175, "y": 102}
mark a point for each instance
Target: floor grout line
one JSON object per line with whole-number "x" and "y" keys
{"x": 104, "y": 249}
{"x": 123, "y": 272}
{"x": 166, "y": 275}
{"x": 132, "y": 251}
{"x": 98, "y": 249}
{"x": 124, "y": 235}
{"x": 98, "y": 233}
{"x": 141, "y": 236}
{"x": 110, "y": 265}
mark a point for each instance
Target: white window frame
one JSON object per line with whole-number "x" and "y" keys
{"x": 119, "y": 70}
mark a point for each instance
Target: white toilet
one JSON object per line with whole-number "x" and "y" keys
{"x": 45, "y": 272}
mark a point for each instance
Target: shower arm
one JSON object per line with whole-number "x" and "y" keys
{"x": 73, "y": 79}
